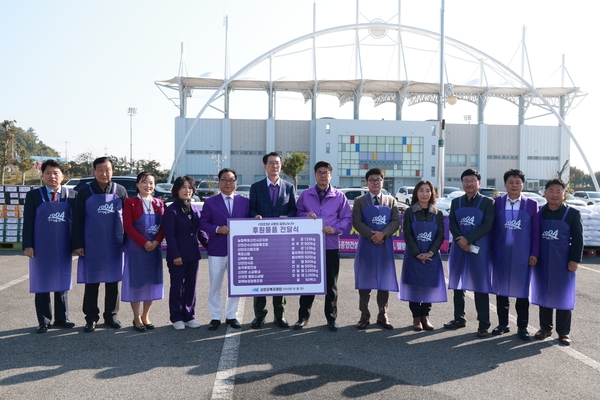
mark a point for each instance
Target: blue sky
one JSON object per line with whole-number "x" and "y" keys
{"x": 71, "y": 69}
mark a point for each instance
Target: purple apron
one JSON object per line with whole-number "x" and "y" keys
{"x": 552, "y": 284}
{"x": 511, "y": 248}
{"x": 50, "y": 269}
{"x": 143, "y": 272}
{"x": 423, "y": 283}
{"x": 103, "y": 238}
{"x": 374, "y": 265}
{"x": 470, "y": 271}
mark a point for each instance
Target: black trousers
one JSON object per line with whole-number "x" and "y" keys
{"x": 563, "y": 320}
{"x": 419, "y": 309}
{"x": 43, "y": 307}
{"x": 482, "y": 305}
{"x": 332, "y": 268}
{"x": 260, "y": 306}
{"x": 90, "y": 301}
{"x": 521, "y": 306}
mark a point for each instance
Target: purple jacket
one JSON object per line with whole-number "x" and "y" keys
{"x": 334, "y": 210}
{"x": 183, "y": 234}
{"x": 532, "y": 208}
{"x": 215, "y": 214}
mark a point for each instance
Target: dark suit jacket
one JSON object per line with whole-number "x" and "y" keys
{"x": 215, "y": 214}
{"x": 33, "y": 200}
{"x": 182, "y": 233}
{"x": 260, "y": 200}
{"x": 360, "y": 203}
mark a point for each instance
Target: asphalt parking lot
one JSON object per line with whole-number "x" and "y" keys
{"x": 274, "y": 363}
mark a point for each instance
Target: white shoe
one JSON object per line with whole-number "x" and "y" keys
{"x": 192, "y": 324}
{"x": 179, "y": 325}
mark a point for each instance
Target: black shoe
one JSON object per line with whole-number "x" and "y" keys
{"x": 43, "y": 328}
{"x": 302, "y": 323}
{"x": 89, "y": 327}
{"x": 149, "y": 326}
{"x": 113, "y": 323}
{"x": 257, "y": 322}
{"x": 281, "y": 322}
{"x": 332, "y": 326}
{"x": 524, "y": 334}
{"x": 455, "y": 324}
{"x": 482, "y": 332}
{"x": 64, "y": 324}
{"x": 214, "y": 324}
{"x": 139, "y": 328}
{"x": 499, "y": 330}
{"x": 234, "y": 323}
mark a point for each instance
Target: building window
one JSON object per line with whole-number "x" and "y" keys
{"x": 327, "y": 128}
{"x": 433, "y": 146}
{"x": 327, "y": 148}
{"x": 474, "y": 160}
{"x": 432, "y": 172}
{"x": 456, "y": 160}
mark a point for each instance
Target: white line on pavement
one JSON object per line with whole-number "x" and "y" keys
{"x": 14, "y": 282}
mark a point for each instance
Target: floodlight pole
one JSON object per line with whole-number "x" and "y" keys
{"x": 131, "y": 112}
{"x": 441, "y": 100}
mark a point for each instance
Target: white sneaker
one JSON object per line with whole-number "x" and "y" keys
{"x": 192, "y": 324}
{"x": 179, "y": 325}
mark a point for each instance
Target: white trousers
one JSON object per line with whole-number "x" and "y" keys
{"x": 217, "y": 267}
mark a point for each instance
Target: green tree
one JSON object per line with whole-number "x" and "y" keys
{"x": 24, "y": 163}
{"x": 579, "y": 179}
{"x": 7, "y": 141}
{"x": 293, "y": 164}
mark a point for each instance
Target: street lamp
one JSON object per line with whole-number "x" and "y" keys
{"x": 217, "y": 158}
{"x": 131, "y": 112}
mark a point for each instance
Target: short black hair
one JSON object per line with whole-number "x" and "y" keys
{"x": 556, "y": 182}
{"x": 514, "y": 172}
{"x": 470, "y": 172}
{"x": 102, "y": 160}
{"x": 54, "y": 164}
{"x": 323, "y": 164}
{"x": 271, "y": 154}
{"x": 373, "y": 171}
{"x": 178, "y": 184}
{"x": 224, "y": 170}
{"x": 141, "y": 177}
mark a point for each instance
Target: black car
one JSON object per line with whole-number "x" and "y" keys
{"x": 128, "y": 182}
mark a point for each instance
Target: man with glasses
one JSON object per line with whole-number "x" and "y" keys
{"x": 469, "y": 265}
{"x": 213, "y": 220}
{"x": 324, "y": 201}
{"x": 376, "y": 218}
{"x": 271, "y": 197}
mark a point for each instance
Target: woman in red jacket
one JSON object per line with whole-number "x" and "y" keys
{"x": 143, "y": 272}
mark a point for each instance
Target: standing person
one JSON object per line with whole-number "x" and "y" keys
{"x": 182, "y": 231}
{"x": 324, "y": 201}
{"x": 271, "y": 197}
{"x": 98, "y": 241}
{"x": 561, "y": 249}
{"x": 515, "y": 249}
{"x": 469, "y": 264}
{"x": 217, "y": 209}
{"x": 422, "y": 278}
{"x": 143, "y": 272}
{"x": 47, "y": 243}
{"x": 376, "y": 218}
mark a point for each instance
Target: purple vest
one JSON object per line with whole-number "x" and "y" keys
{"x": 423, "y": 282}
{"x": 374, "y": 266}
{"x": 103, "y": 238}
{"x": 50, "y": 269}
{"x": 143, "y": 272}
{"x": 552, "y": 284}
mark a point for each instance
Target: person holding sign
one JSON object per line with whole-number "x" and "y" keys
{"x": 324, "y": 201}
{"x": 376, "y": 218}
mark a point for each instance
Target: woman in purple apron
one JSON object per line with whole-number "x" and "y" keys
{"x": 553, "y": 278}
{"x": 422, "y": 278}
{"x": 143, "y": 272}
{"x": 103, "y": 238}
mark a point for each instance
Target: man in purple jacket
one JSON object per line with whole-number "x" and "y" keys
{"x": 516, "y": 248}
{"x": 324, "y": 201}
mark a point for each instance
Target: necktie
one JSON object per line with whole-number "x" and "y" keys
{"x": 376, "y": 200}
{"x": 273, "y": 193}
{"x": 229, "y": 205}
{"x": 54, "y": 196}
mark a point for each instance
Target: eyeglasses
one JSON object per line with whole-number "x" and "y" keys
{"x": 273, "y": 163}
{"x": 228, "y": 180}
{"x": 375, "y": 181}
{"x": 469, "y": 181}
{"x": 323, "y": 173}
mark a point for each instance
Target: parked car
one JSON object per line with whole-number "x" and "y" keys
{"x": 165, "y": 186}
{"x": 589, "y": 197}
{"x": 540, "y": 200}
{"x": 127, "y": 181}
{"x": 206, "y": 189}
{"x": 404, "y": 194}
{"x": 489, "y": 191}
{"x": 574, "y": 201}
{"x": 244, "y": 190}
{"x": 353, "y": 193}
{"x": 71, "y": 183}
{"x": 448, "y": 190}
